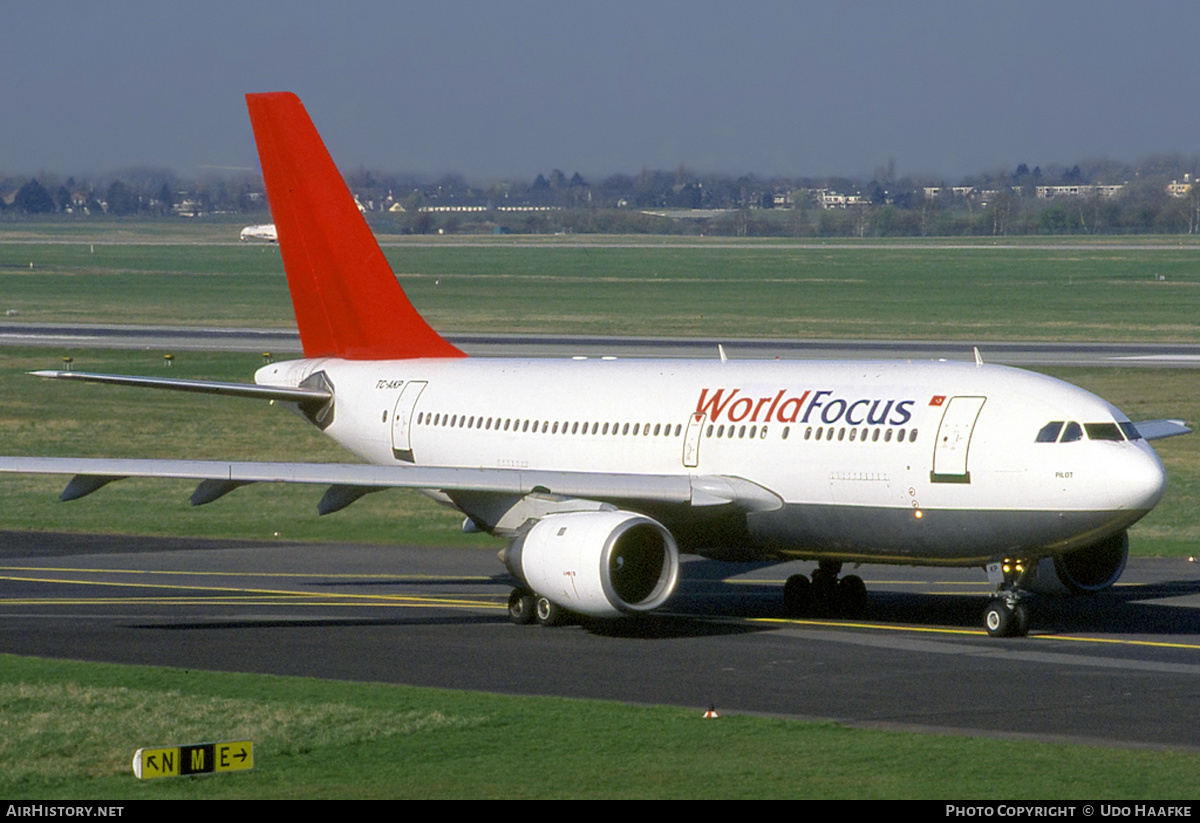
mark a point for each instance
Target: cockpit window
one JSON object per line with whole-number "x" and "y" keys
{"x": 1049, "y": 432}
{"x": 1072, "y": 431}
{"x": 1130, "y": 430}
{"x": 1103, "y": 431}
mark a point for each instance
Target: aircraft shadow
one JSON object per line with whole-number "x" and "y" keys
{"x": 1118, "y": 611}
{"x": 705, "y": 592}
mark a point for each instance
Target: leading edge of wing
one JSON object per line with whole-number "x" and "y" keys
{"x": 1158, "y": 429}
{"x": 251, "y": 390}
{"x": 696, "y": 490}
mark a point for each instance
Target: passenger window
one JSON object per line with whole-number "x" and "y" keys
{"x": 1073, "y": 432}
{"x": 1049, "y": 432}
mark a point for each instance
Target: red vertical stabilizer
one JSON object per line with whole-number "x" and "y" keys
{"x": 347, "y": 301}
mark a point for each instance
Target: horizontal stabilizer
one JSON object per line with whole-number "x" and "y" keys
{"x": 251, "y": 390}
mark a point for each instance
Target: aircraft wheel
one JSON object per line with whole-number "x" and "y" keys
{"x": 1003, "y": 620}
{"x": 521, "y": 606}
{"x": 797, "y": 596}
{"x": 851, "y": 596}
{"x": 1020, "y": 620}
{"x": 548, "y": 613}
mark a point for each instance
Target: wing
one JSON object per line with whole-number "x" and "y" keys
{"x": 1158, "y": 429}
{"x": 347, "y": 482}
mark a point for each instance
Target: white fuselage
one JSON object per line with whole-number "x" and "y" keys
{"x": 883, "y": 461}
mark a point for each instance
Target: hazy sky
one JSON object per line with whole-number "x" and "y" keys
{"x": 514, "y": 87}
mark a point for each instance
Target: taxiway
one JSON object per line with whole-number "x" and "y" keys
{"x": 1122, "y": 667}
{"x": 287, "y": 342}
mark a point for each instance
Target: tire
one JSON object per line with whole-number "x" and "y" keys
{"x": 521, "y": 607}
{"x": 851, "y": 596}
{"x": 548, "y": 613}
{"x": 797, "y": 596}
{"x": 1020, "y": 626}
{"x": 999, "y": 619}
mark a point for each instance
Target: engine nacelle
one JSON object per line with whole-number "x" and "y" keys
{"x": 597, "y": 563}
{"x": 1085, "y": 570}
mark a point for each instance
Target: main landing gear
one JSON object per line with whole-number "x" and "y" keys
{"x": 525, "y": 607}
{"x": 826, "y": 595}
{"x": 1006, "y": 615}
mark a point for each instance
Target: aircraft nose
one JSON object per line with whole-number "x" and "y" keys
{"x": 1143, "y": 478}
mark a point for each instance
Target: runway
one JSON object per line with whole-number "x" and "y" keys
{"x": 1122, "y": 667}
{"x": 286, "y": 342}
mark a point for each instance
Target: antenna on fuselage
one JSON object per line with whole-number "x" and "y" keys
{"x": 721, "y": 351}
{"x": 978, "y": 357}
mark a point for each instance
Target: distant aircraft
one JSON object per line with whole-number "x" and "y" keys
{"x": 602, "y": 471}
{"x": 265, "y": 232}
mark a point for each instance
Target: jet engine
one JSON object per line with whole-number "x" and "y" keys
{"x": 1083, "y": 571}
{"x": 597, "y": 563}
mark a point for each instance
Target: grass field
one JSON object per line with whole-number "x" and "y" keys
{"x": 69, "y": 730}
{"x": 623, "y": 286}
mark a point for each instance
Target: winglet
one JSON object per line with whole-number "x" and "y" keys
{"x": 345, "y": 295}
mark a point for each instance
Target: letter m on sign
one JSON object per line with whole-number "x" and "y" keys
{"x": 196, "y": 759}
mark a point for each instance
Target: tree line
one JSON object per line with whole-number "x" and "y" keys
{"x": 1010, "y": 202}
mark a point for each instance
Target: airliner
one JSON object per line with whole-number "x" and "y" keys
{"x": 264, "y": 233}
{"x": 601, "y": 471}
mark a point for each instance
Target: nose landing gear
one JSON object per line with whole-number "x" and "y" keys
{"x": 1006, "y": 615}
